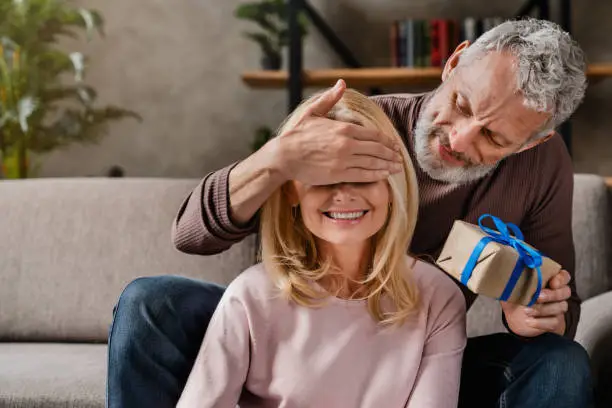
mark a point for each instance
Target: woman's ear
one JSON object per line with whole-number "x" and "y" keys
{"x": 453, "y": 60}
{"x": 290, "y": 192}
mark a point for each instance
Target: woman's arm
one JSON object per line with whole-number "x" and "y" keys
{"x": 437, "y": 382}
{"x": 221, "y": 368}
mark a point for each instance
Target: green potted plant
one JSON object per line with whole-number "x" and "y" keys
{"x": 262, "y": 135}
{"x": 272, "y": 17}
{"x": 44, "y": 101}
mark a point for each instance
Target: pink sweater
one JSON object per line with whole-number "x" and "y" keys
{"x": 261, "y": 350}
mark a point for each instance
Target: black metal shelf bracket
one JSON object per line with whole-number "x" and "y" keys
{"x": 295, "y": 54}
{"x": 296, "y": 48}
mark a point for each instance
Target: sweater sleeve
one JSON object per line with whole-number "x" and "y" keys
{"x": 203, "y": 224}
{"x": 221, "y": 367}
{"x": 438, "y": 378}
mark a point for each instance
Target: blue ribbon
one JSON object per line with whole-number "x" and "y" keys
{"x": 528, "y": 257}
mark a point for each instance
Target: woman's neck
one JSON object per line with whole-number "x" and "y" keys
{"x": 352, "y": 261}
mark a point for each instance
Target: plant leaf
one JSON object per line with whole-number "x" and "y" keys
{"x": 89, "y": 21}
{"x": 7, "y": 117}
{"x": 82, "y": 93}
{"x": 25, "y": 108}
{"x": 78, "y": 62}
{"x": 264, "y": 42}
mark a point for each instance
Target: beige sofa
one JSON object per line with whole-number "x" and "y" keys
{"x": 69, "y": 246}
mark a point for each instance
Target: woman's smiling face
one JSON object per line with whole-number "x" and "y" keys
{"x": 344, "y": 213}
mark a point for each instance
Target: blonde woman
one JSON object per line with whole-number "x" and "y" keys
{"x": 336, "y": 315}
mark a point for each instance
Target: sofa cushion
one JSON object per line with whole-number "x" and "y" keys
{"x": 69, "y": 247}
{"x": 52, "y": 375}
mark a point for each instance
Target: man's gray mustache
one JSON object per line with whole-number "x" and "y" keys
{"x": 445, "y": 142}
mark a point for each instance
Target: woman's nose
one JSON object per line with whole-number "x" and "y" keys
{"x": 343, "y": 192}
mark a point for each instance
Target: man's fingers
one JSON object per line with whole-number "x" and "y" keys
{"x": 554, "y": 295}
{"x": 372, "y": 163}
{"x": 364, "y": 134}
{"x": 323, "y": 104}
{"x": 561, "y": 279}
{"x": 375, "y": 149}
{"x": 548, "y": 324}
{"x": 357, "y": 175}
{"x": 547, "y": 309}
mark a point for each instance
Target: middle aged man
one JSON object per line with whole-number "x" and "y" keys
{"x": 484, "y": 142}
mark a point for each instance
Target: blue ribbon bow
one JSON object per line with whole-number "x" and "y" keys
{"x": 528, "y": 257}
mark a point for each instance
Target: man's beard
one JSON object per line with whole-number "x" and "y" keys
{"x": 424, "y": 133}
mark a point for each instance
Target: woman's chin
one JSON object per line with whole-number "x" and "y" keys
{"x": 346, "y": 239}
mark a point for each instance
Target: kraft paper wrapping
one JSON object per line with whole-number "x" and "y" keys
{"x": 494, "y": 266}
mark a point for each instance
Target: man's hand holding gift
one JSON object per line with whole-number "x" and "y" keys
{"x": 547, "y": 315}
{"x": 496, "y": 262}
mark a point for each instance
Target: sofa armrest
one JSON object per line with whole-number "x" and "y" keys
{"x": 595, "y": 335}
{"x": 595, "y": 326}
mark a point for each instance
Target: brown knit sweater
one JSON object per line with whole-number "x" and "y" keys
{"x": 532, "y": 189}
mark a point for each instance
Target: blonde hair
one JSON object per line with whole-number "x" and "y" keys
{"x": 288, "y": 249}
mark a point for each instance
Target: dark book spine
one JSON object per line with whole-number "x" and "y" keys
{"x": 410, "y": 43}
{"x": 426, "y": 59}
{"x": 418, "y": 44}
{"x": 394, "y": 44}
{"x": 479, "y": 28}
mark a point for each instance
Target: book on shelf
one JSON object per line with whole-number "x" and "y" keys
{"x": 419, "y": 43}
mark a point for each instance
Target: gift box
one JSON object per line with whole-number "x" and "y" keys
{"x": 496, "y": 262}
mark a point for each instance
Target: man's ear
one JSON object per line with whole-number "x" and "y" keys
{"x": 537, "y": 141}
{"x": 453, "y": 60}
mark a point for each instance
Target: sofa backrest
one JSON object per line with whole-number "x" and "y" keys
{"x": 592, "y": 229}
{"x": 69, "y": 246}
{"x": 592, "y": 225}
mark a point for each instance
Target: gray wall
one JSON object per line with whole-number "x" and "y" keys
{"x": 178, "y": 63}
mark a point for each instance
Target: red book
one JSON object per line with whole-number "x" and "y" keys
{"x": 435, "y": 39}
{"x": 445, "y": 49}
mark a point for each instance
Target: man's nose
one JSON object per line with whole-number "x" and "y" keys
{"x": 462, "y": 137}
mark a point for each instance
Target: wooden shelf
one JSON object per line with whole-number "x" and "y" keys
{"x": 370, "y": 77}
{"x": 355, "y": 78}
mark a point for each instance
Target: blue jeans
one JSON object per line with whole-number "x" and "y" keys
{"x": 159, "y": 324}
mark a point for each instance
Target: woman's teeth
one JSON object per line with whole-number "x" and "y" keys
{"x": 346, "y": 215}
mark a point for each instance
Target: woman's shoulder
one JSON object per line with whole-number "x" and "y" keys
{"x": 254, "y": 278}
{"x": 253, "y": 284}
{"x": 442, "y": 302}
{"x": 432, "y": 282}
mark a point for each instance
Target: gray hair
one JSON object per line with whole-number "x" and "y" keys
{"x": 550, "y": 65}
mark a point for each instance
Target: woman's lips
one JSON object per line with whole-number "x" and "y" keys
{"x": 345, "y": 221}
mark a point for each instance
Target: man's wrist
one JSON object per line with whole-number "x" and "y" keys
{"x": 277, "y": 158}
{"x": 252, "y": 181}
{"x": 275, "y": 161}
